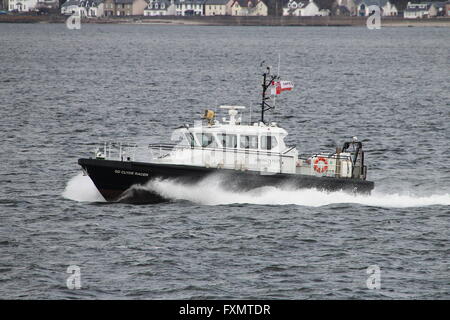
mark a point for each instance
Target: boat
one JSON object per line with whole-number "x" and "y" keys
{"x": 244, "y": 156}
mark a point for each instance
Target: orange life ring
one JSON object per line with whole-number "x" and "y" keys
{"x": 323, "y": 168}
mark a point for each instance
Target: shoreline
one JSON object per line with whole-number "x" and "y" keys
{"x": 330, "y": 21}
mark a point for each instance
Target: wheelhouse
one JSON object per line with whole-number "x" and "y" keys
{"x": 255, "y": 138}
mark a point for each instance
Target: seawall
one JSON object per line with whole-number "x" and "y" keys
{"x": 236, "y": 21}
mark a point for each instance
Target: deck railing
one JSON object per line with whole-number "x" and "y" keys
{"x": 121, "y": 151}
{"x": 124, "y": 151}
{"x": 165, "y": 149}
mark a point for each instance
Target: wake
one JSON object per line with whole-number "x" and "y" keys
{"x": 210, "y": 192}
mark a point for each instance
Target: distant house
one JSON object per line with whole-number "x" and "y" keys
{"x": 302, "y": 8}
{"x": 389, "y": 9}
{"x": 386, "y": 7}
{"x": 189, "y": 7}
{"x": 124, "y": 7}
{"x": 310, "y": 9}
{"x": 416, "y": 10}
{"x": 22, "y": 5}
{"x": 425, "y": 10}
{"x": 83, "y": 8}
{"x": 160, "y": 8}
{"x": 29, "y": 5}
{"x": 249, "y": 8}
{"x": 96, "y": 8}
{"x": 437, "y": 9}
{"x": 218, "y": 7}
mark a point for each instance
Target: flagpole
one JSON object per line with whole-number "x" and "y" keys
{"x": 279, "y": 59}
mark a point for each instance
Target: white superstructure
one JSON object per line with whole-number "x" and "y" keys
{"x": 257, "y": 147}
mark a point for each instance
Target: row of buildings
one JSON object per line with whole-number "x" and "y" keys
{"x": 387, "y": 8}
{"x": 426, "y": 10}
{"x": 99, "y": 8}
{"x": 28, "y": 5}
{"x": 206, "y": 8}
{"x": 105, "y": 8}
{"x": 96, "y": 8}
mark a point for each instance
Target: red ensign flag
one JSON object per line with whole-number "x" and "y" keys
{"x": 280, "y": 86}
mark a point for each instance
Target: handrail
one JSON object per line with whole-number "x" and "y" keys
{"x": 291, "y": 148}
{"x": 325, "y": 155}
{"x": 171, "y": 147}
{"x": 118, "y": 150}
{"x": 123, "y": 151}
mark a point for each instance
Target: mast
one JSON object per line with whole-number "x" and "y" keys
{"x": 267, "y": 82}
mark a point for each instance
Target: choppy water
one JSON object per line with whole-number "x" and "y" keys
{"x": 63, "y": 91}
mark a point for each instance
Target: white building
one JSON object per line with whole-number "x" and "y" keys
{"x": 386, "y": 7}
{"x": 249, "y": 8}
{"x": 310, "y": 9}
{"x": 83, "y": 8}
{"x": 416, "y": 10}
{"x": 218, "y": 7}
{"x": 22, "y": 5}
{"x": 303, "y": 8}
{"x": 389, "y": 9}
{"x": 96, "y": 8}
{"x": 189, "y": 7}
{"x": 160, "y": 8}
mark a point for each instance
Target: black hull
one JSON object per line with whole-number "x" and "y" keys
{"x": 114, "y": 178}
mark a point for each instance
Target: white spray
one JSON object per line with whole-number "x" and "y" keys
{"x": 81, "y": 188}
{"x": 210, "y": 192}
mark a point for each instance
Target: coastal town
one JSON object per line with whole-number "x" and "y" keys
{"x": 185, "y": 8}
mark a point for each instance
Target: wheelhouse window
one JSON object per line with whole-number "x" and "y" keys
{"x": 190, "y": 139}
{"x": 249, "y": 142}
{"x": 206, "y": 140}
{"x": 268, "y": 142}
{"x": 227, "y": 140}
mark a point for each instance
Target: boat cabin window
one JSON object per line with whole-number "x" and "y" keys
{"x": 227, "y": 140}
{"x": 249, "y": 142}
{"x": 221, "y": 139}
{"x": 268, "y": 142}
{"x": 190, "y": 139}
{"x": 207, "y": 140}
